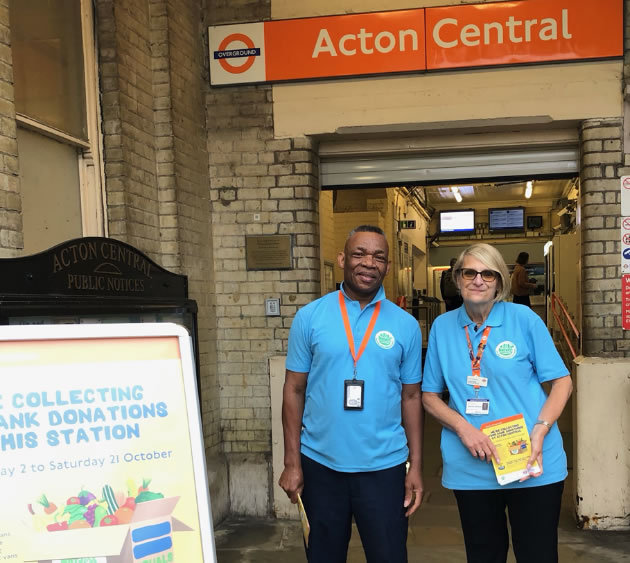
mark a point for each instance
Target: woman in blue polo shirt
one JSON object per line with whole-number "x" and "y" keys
{"x": 492, "y": 356}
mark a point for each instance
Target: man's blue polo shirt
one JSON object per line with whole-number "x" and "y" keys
{"x": 347, "y": 440}
{"x": 519, "y": 356}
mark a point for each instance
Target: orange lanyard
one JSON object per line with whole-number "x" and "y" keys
{"x": 368, "y": 332}
{"x": 475, "y": 361}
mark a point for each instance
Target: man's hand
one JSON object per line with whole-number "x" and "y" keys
{"x": 413, "y": 490}
{"x": 292, "y": 482}
{"x": 293, "y": 392}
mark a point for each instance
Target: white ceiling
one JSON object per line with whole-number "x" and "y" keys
{"x": 512, "y": 192}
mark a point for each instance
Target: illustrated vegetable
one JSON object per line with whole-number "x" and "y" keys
{"x": 110, "y": 499}
{"x": 41, "y": 521}
{"x": 86, "y": 496}
{"x": 145, "y": 496}
{"x": 124, "y": 515}
{"x": 99, "y": 514}
{"x": 130, "y": 503}
{"x": 109, "y": 520}
{"x": 75, "y": 512}
{"x": 145, "y": 485}
{"x": 87, "y": 511}
{"x": 79, "y": 524}
{"x": 49, "y": 507}
{"x": 57, "y": 526}
{"x": 89, "y": 514}
{"x": 132, "y": 490}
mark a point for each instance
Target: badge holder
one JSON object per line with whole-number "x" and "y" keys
{"x": 477, "y": 406}
{"x": 353, "y": 394}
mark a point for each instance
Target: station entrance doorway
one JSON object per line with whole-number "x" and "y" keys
{"x": 433, "y": 198}
{"x": 414, "y": 195}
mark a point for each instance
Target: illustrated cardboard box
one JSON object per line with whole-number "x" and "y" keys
{"x": 147, "y": 537}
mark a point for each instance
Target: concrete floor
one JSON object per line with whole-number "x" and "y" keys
{"x": 434, "y": 532}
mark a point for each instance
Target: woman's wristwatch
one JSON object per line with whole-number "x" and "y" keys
{"x": 543, "y": 422}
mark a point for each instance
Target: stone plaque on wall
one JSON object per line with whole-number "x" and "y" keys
{"x": 270, "y": 252}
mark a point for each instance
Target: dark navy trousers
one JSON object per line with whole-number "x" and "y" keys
{"x": 375, "y": 500}
{"x": 534, "y": 513}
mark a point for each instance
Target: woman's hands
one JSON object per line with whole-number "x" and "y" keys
{"x": 561, "y": 389}
{"x": 477, "y": 443}
{"x": 480, "y": 446}
{"x": 539, "y": 431}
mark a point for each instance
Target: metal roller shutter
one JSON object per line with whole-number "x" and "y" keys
{"x": 456, "y": 165}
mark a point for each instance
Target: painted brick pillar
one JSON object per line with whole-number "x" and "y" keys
{"x": 11, "y": 236}
{"x": 602, "y": 166}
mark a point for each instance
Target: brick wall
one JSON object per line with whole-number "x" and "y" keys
{"x": 236, "y": 11}
{"x": 154, "y": 72}
{"x": 179, "y": 80}
{"x": 11, "y": 238}
{"x": 602, "y": 166}
{"x": 259, "y": 186}
{"x": 124, "y": 37}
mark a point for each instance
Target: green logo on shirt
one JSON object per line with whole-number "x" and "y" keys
{"x": 385, "y": 339}
{"x": 506, "y": 350}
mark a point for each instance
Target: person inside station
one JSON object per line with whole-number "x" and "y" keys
{"x": 520, "y": 284}
{"x": 448, "y": 288}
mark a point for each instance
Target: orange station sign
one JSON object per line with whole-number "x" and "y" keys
{"x": 416, "y": 41}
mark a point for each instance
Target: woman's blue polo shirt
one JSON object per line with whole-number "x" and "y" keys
{"x": 519, "y": 356}
{"x": 354, "y": 440}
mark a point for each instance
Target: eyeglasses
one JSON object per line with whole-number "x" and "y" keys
{"x": 470, "y": 274}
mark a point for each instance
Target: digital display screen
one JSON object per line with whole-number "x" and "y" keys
{"x": 462, "y": 221}
{"x": 534, "y": 222}
{"x": 506, "y": 219}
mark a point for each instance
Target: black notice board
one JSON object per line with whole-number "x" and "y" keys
{"x": 94, "y": 280}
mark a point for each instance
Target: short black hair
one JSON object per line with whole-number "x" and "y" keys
{"x": 367, "y": 229}
{"x": 522, "y": 258}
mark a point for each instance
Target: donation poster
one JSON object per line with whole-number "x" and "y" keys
{"x": 101, "y": 451}
{"x": 511, "y": 439}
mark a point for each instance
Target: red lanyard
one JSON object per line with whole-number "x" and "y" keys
{"x": 368, "y": 332}
{"x": 475, "y": 361}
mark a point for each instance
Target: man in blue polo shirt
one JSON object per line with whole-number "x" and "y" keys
{"x": 352, "y": 413}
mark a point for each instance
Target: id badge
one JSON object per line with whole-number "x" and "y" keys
{"x": 477, "y": 381}
{"x": 477, "y": 406}
{"x": 353, "y": 394}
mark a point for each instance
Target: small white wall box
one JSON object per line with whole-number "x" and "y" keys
{"x": 272, "y": 307}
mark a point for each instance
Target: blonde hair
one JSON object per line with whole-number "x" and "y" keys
{"x": 492, "y": 259}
